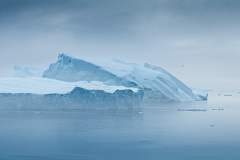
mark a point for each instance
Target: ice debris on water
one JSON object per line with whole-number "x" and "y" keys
{"x": 192, "y": 109}
{"x": 146, "y": 141}
{"x": 219, "y": 109}
{"x": 212, "y": 125}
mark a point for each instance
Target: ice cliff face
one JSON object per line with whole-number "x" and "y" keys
{"x": 157, "y": 83}
{"x": 78, "y": 98}
{"x": 41, "y": 93}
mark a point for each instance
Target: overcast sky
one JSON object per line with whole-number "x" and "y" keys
{"x": 202, "y": 35}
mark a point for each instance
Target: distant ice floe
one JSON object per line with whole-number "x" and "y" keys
{"x": 192, "y": 109}
{"x": 212, "y": 125}
{"x": 24, "y": 72}
{"x": 197, "y": 109}
{"x": 219, "y": 109}
{"x": 201, "y": 94}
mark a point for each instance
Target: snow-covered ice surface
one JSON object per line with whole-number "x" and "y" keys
{"x": 43, "y": 93}
{"x": 157, "y": 83}
{"x": 38, "y": 85}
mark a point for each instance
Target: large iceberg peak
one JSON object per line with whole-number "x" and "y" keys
{"x": 157, "y": 83}
{"x": 74, "y": 68}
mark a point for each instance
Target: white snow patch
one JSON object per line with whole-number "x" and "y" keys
{"x": 38, "y": 85}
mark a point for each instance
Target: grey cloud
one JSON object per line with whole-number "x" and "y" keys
{"x": 165, "y": 33}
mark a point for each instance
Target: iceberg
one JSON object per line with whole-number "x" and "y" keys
{"x": 43, "y": 93}
{"x": 201, "y": 94}
{"x": 156, "y": 83}
{"x": 77, "y": 82}
{"x": 27, "y": 71}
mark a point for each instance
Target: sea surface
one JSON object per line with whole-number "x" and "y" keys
{"x": 204, "y": 130}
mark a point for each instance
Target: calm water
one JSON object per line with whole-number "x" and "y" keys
{"x": 158, "y": 131}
